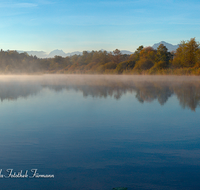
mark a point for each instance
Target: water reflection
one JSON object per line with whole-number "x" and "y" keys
{"x": 100, "y": 143}
{"x": 146, "y": 88}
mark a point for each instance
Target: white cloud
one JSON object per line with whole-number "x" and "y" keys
{"x": 18, "y": 5}
{"x": 25, "y": 5}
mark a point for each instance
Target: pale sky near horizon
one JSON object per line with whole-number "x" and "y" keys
{"x": 45, "y": 25}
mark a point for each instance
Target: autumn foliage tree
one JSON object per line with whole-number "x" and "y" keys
{"x": 187, "y": 54}
{"x": 162, "y": 58}
{"x": 146, "y": 59}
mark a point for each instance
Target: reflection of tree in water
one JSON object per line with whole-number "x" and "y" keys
{"x": 99, "y": 91}
{"x": 187, "y": 92}
{"x": 150, "y": 91}
{"x": 13, "y": 91}
{"x": 103, "y": 91}
{"x": 188, "y": 95}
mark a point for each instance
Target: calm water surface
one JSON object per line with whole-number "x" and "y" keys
{"x": 100, "y": 132}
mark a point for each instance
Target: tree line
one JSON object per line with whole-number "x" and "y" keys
{"x": 145, "y": 60}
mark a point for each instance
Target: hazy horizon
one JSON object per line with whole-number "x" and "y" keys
{"x": 60, "y": 52}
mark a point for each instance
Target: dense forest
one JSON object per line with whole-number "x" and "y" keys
{"x": 145, "y": 60}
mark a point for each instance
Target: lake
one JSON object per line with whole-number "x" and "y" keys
{"x": 90, "y": 132}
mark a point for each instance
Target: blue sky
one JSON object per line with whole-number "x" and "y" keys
{"x": 93, "y": 25}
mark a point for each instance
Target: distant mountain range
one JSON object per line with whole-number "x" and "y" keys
{"x": 170, "y": 47}
{"x": 126, "y": 52}
{"x": 42, "y": 54}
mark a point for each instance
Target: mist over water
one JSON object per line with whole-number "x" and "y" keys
{"x": 145, "y": 88}
{"x": 99, "y": 132}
